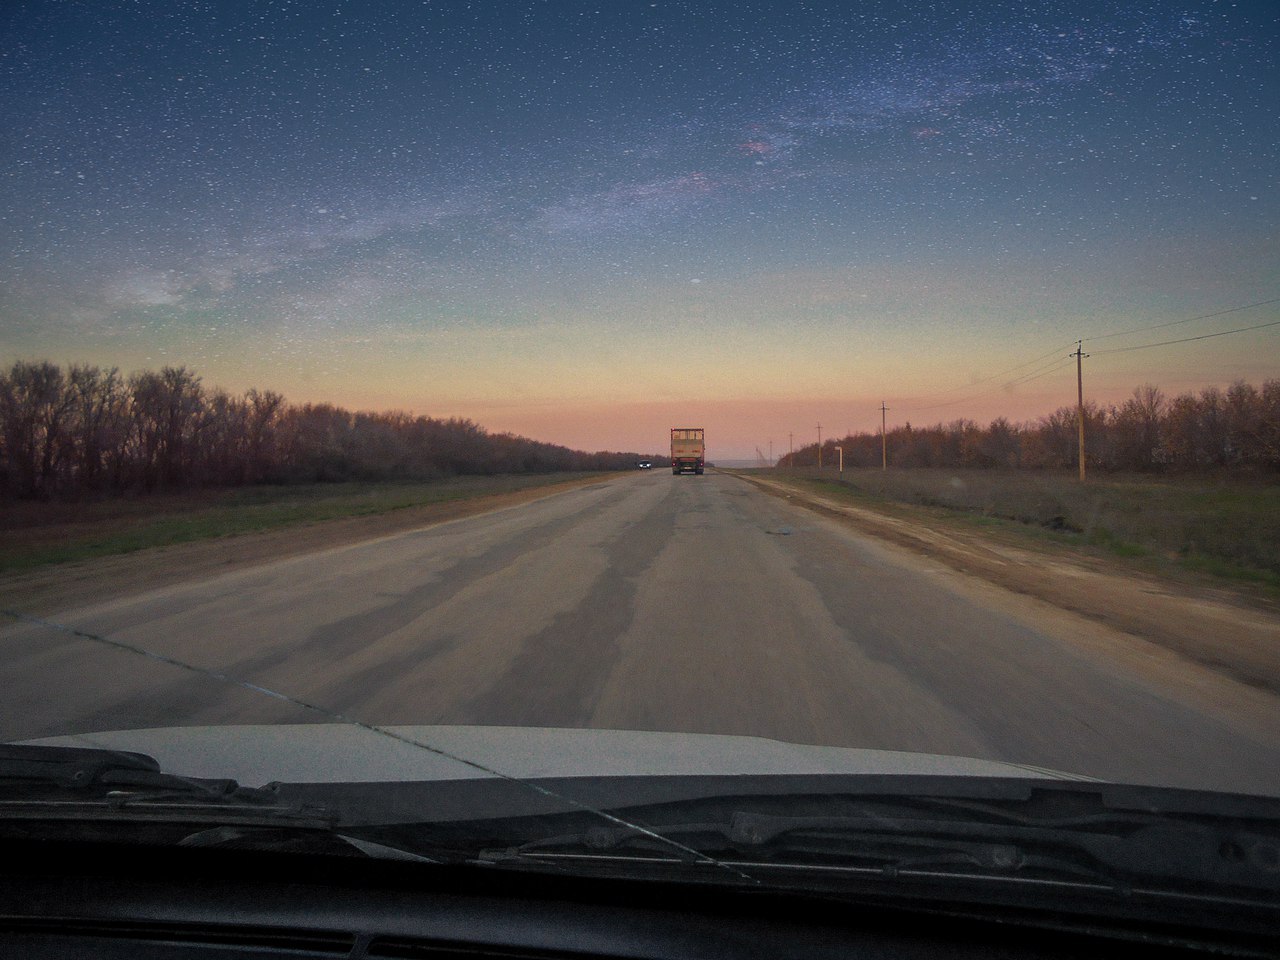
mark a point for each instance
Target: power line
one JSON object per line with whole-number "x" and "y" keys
{"x": 1206, "y": 336}
{"x": 1035, "y": 374}
{"x": 1174, "y": 323}
{"x": 1057, "y": 364}
{"x": 1105, "y": 336}
{"x": 987, "y": 379}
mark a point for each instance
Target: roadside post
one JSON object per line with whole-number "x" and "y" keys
{"x": 884, "y": 442}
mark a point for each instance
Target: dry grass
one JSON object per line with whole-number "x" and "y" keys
{"x": 1227, "y": 527}
{"x": 39, "y": 534}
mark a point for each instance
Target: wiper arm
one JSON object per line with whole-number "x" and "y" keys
{"x": 28, "y": 772}
{"x": 88, "y": 785}
{"x": 891, "y": 836}
{"x": 845, "y": 847}
{"x": 40, "y": 783}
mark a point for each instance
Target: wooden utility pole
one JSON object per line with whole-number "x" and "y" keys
{"x": 884, "y": 439}
{"x": 1080, "y": 355}
{"x": 819, "y": 446}
{"x": 791, "y": 451}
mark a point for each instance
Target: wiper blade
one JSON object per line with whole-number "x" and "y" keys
{"x": 1080, "y": 840}
{"x": 28, "y": 772}
{"x": 829, "y": 848}
{"x": 87, "y": 784}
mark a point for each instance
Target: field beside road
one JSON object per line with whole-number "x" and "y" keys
{"x": 1227, "y": 528}
{"x": 53, "y": 552}
{"x": 44, "y": 533}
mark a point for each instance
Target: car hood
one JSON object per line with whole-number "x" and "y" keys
{"x": 348, "y": 753}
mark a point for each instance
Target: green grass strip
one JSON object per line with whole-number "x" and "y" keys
{"x": 44, "y": 534}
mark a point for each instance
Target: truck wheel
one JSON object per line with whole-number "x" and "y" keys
{"x": 698, "y": 472}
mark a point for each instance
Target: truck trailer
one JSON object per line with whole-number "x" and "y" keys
{"x": 688, "y": 451}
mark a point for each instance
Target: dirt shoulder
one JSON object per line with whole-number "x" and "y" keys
{"x": 1229, "y": 632}
{"x": 60, "y": 586}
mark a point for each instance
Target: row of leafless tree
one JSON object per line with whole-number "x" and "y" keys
{"x": 1237, "y": 427}
{"x": 88, "y": 430}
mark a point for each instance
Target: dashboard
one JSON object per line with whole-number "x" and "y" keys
{"x": 90, "y": 901}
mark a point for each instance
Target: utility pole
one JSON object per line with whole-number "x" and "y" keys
{"x": 819, "y": 446}
{"x": 771, "y": 453}
{"x": 840, "y": 450}
{"x": 884, "y": 439}
{"x": 791, "y": 450}
{"x": 1080, "y": 355}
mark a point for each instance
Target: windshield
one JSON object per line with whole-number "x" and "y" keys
{"x": 344, "y": 349}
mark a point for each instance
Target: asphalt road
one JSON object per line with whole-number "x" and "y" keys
{"x": 648, "y": 602}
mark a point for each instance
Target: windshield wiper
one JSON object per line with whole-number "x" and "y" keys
{"x": 1072, "y": 838}
{"x": 94, "y": 787}
{"x": 810, "y": 846}
{"x": 36, "y": 769}
{"x": 81, "y": 783}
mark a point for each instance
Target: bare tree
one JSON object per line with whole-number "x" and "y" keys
{"x": 165, "y": 408}
{"x": 100, "y": 420}
{"x": 35, "y": 405}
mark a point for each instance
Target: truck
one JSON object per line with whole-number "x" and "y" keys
{"x": 688, "y": 451}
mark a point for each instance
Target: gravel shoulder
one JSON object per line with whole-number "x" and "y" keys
{"x": 1227, "y": 631}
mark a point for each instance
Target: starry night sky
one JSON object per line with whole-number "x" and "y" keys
{"x": 586, "y": 221}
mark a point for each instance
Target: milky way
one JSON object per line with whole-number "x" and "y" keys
{"x": 300, "y": 183}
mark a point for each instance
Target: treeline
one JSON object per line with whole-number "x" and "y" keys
{"x": 88, "y": 430}
{"x": 1234, "y": 428}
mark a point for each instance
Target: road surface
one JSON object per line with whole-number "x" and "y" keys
{"x": 648, "y": 602}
